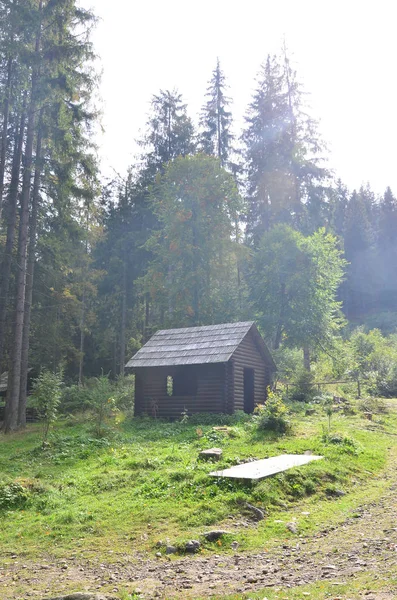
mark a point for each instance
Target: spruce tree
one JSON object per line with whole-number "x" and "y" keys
{"x": 60, "y": 85}
{"x": 215, "y": 137}
{"x": 169, "y": 131}
{"x": 283, "y": 153}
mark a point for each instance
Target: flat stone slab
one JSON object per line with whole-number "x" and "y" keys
{"x": 259, "y": 469}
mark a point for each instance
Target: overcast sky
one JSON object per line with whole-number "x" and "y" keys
{"x": 344, "y": 51}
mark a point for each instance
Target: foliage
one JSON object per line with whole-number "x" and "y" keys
{"x": 288, "y": 361}
{"x": 169, "y": 131}
{"x": 75, "y": 398}
{"x": 328, "y": 407}
{"x": 283, "y": 153}
{"x": 302, "y": 389}
{"x": 373, "y": 405}
{"x": 294, "y": 282}
{"x": 46, "y": 398}
{"x": 13, "y": 495}
{"x": 194, "y": 257}
{"x": 102, "y": 403}
{"x": 273, "y": 415}
{"x": 216, "y": 120}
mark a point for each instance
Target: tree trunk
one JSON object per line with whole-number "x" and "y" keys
{"x": 29, "y": 280}
{"x": 11, "y": 226}
{"x": 279, "y": 332}
{"x": 147, "y": 316}
{"x": 6, "y": 113}
{"x": 196, "y": 283}
{"x": 14, "y": 376}
{"x": 306, "y": 358}
{"x": 218, "y": 117}
{"x": 123, "y": 317}
{"x": 82, "y": 326}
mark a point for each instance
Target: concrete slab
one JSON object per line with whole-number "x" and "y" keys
{"x": 259, "y": 469}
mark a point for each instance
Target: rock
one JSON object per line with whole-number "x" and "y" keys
{"x": 339, "y": 493}
{"x": 171, "y": 550}
{"x": 212, "y": 536}
{"x": 158, "y": 554}
{"x": 214, "y": 453}
{"x": 192, "y": 546}
{"x": 292, "y": 527}
{"x": 258, "y": 513}
{"x": 234, "y": 545}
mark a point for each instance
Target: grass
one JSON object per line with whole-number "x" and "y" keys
{"x": 144, "y": 483}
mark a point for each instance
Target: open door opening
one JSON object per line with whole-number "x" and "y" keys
{"x": 249, "y": 387}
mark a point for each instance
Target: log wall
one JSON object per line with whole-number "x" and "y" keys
{"x": 248, "y": 355}
{"x": 152, "y": 398}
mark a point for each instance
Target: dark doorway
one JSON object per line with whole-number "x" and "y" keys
{"x": 249, "y": 387}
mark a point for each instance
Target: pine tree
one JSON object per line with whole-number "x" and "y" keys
{"x": 216, "y": 120}
{"x": 386, "y": 254}
{"x": 360, "y": 288}
{"x": 59, "y": 89}
{"x": 285, "y": 179}
{"x": 170, "y": 131}
{"x": 265, "y": 168}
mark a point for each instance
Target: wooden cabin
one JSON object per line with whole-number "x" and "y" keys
{"x": 216, "y": 369}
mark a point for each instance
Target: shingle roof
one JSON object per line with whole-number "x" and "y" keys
{"x": 192, "y": 345}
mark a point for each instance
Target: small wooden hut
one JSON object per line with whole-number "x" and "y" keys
{"x": 217, "y": 369}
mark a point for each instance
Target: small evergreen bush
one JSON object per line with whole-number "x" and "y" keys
{"x": 46, "y": 398}
{"x": 273, "y": 415}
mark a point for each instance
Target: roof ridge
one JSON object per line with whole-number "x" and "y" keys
{"x": 208, "y": 327}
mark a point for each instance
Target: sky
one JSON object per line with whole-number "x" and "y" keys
{"x": 344, "y": 52}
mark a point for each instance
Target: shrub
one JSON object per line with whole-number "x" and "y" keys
{"x": 75, "y": 398}
{"x": 46, "y": 398}
{"x": 124, "y": 392}
{"x": 347, "y": 443}
{"x": 303, "y": 389}
{"x": 273, "y": 416}
{"x": 373, "y": 405}
{"x": 13, "y": 495}
{"x": 102, "y": 402}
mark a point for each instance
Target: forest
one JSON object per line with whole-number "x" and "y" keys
{"x": 209, "y": 225}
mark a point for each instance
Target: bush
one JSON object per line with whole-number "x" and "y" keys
{"x": 13, "y": 495}
{"x": 102, "y": 402}
{"x": 75, "y": 398}
{"x": 46, "y": 398}
{"x": 386, "y": 386}
{"x": 273, "y": 416}
{"x": 373, "y": 405}
{"x": 303, "y": 389}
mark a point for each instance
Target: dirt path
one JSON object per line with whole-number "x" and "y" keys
{"x": 365, "y": 543}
